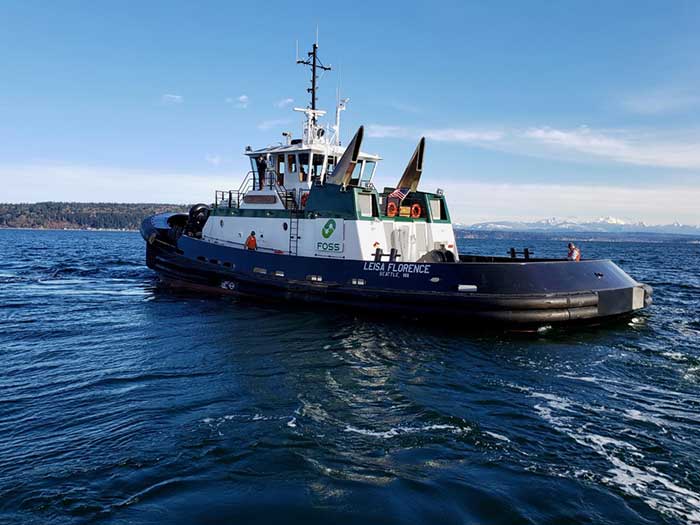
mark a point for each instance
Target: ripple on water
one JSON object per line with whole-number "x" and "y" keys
{"x": 122, "y": 402}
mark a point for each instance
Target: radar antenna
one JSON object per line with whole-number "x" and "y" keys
{"x": 315, "y": 63}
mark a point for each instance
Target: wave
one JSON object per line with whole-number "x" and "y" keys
{"x": 656, "y": 489}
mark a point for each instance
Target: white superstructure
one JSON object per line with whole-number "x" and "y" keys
{"x": 312, "y": 197}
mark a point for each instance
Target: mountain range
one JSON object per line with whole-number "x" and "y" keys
{"x": 601, "y": 225}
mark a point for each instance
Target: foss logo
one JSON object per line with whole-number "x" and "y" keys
{"x": 328, "y": 228}
{"x": 327, "y": 232}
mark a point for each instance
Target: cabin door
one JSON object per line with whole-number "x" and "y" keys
{"x": 399, "y": 241}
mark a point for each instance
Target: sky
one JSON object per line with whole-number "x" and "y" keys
{"x": 530, "y": 109}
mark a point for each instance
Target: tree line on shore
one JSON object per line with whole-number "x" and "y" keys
{"x": 81, "y": 215}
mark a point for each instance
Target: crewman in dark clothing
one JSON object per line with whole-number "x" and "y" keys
{"x": 251, "y": 242}
{"x": 262, "y": 170}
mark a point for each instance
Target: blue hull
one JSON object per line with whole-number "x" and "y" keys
{"x": 476, "y": 289}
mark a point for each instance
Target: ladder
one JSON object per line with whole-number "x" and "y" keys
{"x": 293, "y": 232}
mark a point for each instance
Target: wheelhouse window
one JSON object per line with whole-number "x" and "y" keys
{"x": 280, "y": 170}
{"x": 291, "y": 163}
{"x": 437, "y": 209}
{"x": 330, "y": 166}
{"x": 356, "y": 174}
{"x": 366, "y": 205}
{"x": 367, "y": 172}
{"x": 303, "y": 167}
{"x": 317, "y": 165}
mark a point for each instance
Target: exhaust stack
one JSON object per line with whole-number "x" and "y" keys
{"x": 346, "y": 165}
{"x": 412, "y": 173}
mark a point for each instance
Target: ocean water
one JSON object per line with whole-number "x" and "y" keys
{"x": 121, "y": 402}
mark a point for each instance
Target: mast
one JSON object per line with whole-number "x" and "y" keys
{"x": 315, "y": 63}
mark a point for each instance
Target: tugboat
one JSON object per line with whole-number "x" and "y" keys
{"x": 307, "y": 225}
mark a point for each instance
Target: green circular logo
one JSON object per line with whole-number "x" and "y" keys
{"x": 328, "y": 229}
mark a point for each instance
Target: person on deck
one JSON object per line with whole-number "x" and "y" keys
{"x": 251, "y": 242}
{"x": 574, "y": 253}
{"x": 262, "y": 171}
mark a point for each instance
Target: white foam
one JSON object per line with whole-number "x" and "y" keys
{"x": 676, "y": 356}
{"x": 497, "y": 436}
{"x": 641, "y": 416}
{"x": 692, "y": 373}
{"x": 395, "y": 431}
{"x": 586, "y": 379}
{"x": 645, "y": 482}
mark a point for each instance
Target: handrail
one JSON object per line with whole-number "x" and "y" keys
{"x": 233, "y": 198}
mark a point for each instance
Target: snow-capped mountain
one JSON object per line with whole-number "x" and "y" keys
{"x": 600, "y": 225}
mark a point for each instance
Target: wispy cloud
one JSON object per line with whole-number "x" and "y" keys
{"x": 171, "y": 99}
{"x": 474, "y": 202}
{"x": 662, "y": 101}
{"x": 83, "y": 183}
{"x": 214, "y": 160}
{"x": 466, "y": 136}
{"x": 620, "y": 146}
{"x": 284, "y": 102}
{"x": 273, "y": 123}
{"x": 405, "y": 108}
{"x": 469, "y": 201}
{"x": 240, "y": 102}
{"x": 582, "y": 144}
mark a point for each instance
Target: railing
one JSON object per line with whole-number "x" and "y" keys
{"x": 233, "y": 198}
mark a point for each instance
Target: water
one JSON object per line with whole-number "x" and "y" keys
{"x": 124, "y": 403}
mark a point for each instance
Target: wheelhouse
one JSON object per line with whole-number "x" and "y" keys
{"x": 292, "y": 169}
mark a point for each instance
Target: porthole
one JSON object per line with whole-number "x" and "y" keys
{"x": 221, "y": 223}
{"x": 285, "y": 226}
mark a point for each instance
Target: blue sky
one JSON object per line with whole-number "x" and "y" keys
{"x": 530, "y": 109}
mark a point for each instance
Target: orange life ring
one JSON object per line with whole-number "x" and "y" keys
{"x": 416, "y": 210}
{"x": 391, "y": 209}
{"x": 304, "y": 198}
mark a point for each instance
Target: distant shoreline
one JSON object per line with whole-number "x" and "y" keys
{"x": 114, "y": 230}
{"x": 466, "y": 234}
{"x": 85, "y": 216}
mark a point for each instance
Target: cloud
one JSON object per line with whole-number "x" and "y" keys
{"x": 273, "y": 123}
{"x": 240, "y": 102}
{"x": 680, "y": 150}
{"x": 466, "y": 136}
{"x": 625, "y": 147}
{"x": 284, "y": 102}
{"x": 171, "y": 99}
{"x": 469, "y": 202}
{"x": 106, "y": 184}
{"x": 462, "y": 135}
{"x": 380, "y": 131}
{"x": 474, "y": 202}
{"x": 405, "y": 108}
{"x": 662, "y": 101}
{"x": 214, "y": 160}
